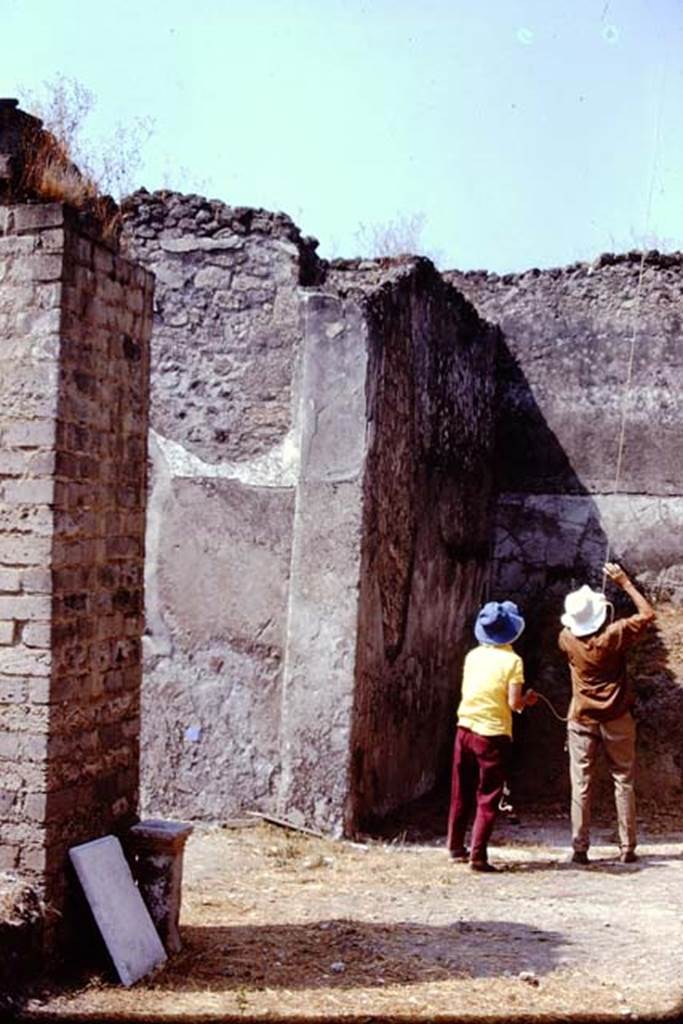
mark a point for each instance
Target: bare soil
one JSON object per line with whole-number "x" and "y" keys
{"x": 277, "y": 925}
{"x": 281, "y": 926}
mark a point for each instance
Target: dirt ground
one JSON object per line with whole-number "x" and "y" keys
{"x": 281, "y": 926}
{"x": 278, "y": 925}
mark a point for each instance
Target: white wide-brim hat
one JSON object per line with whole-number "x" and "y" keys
{"x": 585, "y": 611}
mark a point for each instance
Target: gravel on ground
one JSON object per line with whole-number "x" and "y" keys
{"x": 282, "y": 926}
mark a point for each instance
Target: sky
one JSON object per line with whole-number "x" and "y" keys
{"x": 520, "y": 133}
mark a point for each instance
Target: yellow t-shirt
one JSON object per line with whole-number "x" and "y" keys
{"x": 484, "y": 708}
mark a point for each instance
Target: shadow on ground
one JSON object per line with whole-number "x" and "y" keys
{"x": 347, "y": 953}
{"x": 423, "y": 822}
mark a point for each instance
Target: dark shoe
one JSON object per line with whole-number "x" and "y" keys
{"x": 628, "y": 857}
{"x": 459, "y": 855}
{"x": 580, "y": 857}
{"x": 482, "y": 865}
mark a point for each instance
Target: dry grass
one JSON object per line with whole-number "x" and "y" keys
{"x": 50, "y": 174}
{"x": 109, "y": 165}
{"x": 278, "y": 926}
{"x": 281, "y": 926}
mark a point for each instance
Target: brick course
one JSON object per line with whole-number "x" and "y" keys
{"x": 75, "y": 320}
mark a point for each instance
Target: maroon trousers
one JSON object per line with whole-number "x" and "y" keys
{"x": 480, "y": 765}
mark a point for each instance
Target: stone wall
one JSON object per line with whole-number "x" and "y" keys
{"x": 76, "y": 319}
{"x": 22, "y": 952}
{"x": 271, "y": 376}
{"x": 322, "y": 462}
{"x": 426, "y": 530}
{"x": 225, "y": 452}
{"x": 396, "y": 434}
{"x": 563, "y": 371}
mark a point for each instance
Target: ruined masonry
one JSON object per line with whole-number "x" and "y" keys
{"x": 75, "y": 320}
{"x": 319, "y": 515}
{"x": 344, "y": 459}
{"x": 325, "y": 443}
{"x": 566, "y": 339}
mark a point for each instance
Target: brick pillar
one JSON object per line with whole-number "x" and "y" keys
{"x": 75, "y": 320}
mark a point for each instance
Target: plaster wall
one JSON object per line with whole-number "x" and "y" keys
{"x": 563, "y": 374}
{"x": 563, "y": 370}
{"x": 225, "y": 452}
{"x": 324, "y": 451}
{"x": 277, "y": 489}
{"x": 388, "y": 568}
{"x": 320, "y": 667}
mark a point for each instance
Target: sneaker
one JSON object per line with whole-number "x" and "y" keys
{"x": 628, "y": 857}
{"x": 580, "y": 857}
{"x": 482, "y": 865}
{"x": 460, "y": 855}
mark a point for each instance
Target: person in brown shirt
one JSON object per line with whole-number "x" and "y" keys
{"x": 600, "y": 708}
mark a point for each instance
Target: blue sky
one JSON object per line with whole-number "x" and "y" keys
{"x": 526, "y": 132}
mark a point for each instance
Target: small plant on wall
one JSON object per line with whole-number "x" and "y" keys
{"x": 61, "y": 165}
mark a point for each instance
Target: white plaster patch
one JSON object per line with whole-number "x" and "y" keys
{"x": 118, "y": 908}
{"x": 278, "y": 467}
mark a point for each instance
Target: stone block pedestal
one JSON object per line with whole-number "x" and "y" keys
{"x": 155, "y": 850}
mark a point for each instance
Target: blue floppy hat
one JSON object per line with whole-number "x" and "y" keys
{"x": 498, "y": 623}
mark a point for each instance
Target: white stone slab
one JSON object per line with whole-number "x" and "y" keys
{"x": 122, "y": 917}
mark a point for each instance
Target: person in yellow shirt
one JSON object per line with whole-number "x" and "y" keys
{"x": 492, "y": 688}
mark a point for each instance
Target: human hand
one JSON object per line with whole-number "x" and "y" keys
{"x": 616, "y": 574}
{"x": 530, "y": 698}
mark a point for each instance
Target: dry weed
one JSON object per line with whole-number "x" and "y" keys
{"x": 50, "y": 174}
{"x": 281, "y": 926}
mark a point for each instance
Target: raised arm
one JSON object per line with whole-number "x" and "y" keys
{"x": 618, "y": 576}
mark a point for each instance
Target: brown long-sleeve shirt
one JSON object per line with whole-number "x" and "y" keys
{"x": 601, "y": 690}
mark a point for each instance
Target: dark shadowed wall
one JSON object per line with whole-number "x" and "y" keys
{"x": 427, "y": 522}
{"x": 563, "y": 371}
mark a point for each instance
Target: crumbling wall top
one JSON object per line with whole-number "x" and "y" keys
{"x": 36, "y": 167}
{"x": 367, "y": 280}
{"x": 653, "y": 258}
{"x": 173, "y": 215}
{"x": 17, "y": 131}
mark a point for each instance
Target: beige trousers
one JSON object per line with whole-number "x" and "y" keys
{"x": 618, "y": 740}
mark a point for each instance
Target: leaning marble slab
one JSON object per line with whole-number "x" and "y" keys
{"x": 119, "y": 911}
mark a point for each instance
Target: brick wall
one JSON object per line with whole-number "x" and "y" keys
{"x": 73, "y": 454}
{"x": 31, "y": 257}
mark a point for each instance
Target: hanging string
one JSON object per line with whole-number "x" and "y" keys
{"x": 625, "y": 397}
{"x": 632, "y": 348}
{"x": 636, "y": 313}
